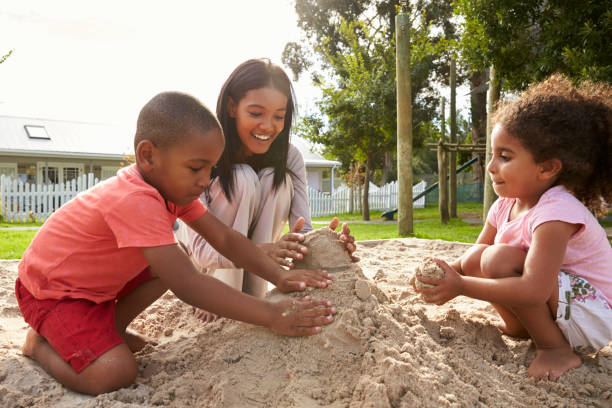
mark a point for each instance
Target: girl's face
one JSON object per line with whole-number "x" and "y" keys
{"x": 260, "y": 117}
{"x": 513, "y": 170}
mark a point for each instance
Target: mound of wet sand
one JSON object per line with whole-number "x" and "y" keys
{"x": 386, "y": 348}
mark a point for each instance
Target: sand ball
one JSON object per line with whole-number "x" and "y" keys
{"x": 325, "y": 251}
{"x": 362, "y": 289}
{"x": 427, "y": 268}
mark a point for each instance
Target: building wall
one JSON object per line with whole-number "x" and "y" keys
{"x": 31, "y": 169}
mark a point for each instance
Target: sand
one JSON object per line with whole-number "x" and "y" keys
{"x": 386, "y": 348}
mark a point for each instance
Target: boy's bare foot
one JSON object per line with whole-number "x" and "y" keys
{"x": 32, "y": 340}
{"x": 518, "y": 332}
{"x": 135, "y": 341}
{"x": 551, "y": 363}
{"x": 204, "y": 316}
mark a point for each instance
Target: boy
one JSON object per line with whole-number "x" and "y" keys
{"x": 109, "y": 253}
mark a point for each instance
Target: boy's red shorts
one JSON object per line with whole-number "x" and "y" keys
{"x": 78, "y": 329}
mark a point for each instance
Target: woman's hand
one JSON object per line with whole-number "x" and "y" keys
{"x": 288, "y": 247}
{"x": 346, "y": 237}
{"x": 445, "y": 289}
{"x": 297, "y": 279}
{"x": 300, "y": 316}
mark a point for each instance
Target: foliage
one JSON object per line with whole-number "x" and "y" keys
{"x": 355, "y": 43}
{"x": 5, "y": 56}
{"x": 528, "y": 40}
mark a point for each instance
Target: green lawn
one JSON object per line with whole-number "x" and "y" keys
{"x": 426, "y": 225}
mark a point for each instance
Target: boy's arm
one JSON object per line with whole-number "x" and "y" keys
{"x": 176, "y": 270}
{"x": 244, "y": 254}
{"x": 534, "y": 286}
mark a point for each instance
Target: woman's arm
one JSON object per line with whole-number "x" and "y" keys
{"x": 300, "y": 207}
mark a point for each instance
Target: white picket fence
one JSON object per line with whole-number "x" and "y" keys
{"x": 380, "y": 198}
{"x": 21, "y": 202}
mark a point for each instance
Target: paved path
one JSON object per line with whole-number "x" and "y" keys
{"x": 18, "y": 228}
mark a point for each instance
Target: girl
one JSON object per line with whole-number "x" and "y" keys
{"x": 542, "y": 259}
{"x": 260, "y": 181}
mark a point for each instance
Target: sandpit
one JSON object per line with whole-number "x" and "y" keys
{"x": 386, "y": 348}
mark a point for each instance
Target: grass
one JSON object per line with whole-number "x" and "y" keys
{"x": 14, "y": 243}
{"x": 426, "y": 225}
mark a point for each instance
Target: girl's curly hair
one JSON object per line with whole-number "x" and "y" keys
{"x": 555, "y": 119}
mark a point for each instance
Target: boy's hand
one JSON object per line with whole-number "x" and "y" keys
{"x": 298, "y": 279}
{"x": 288, "y": 246}
{"x": 301, "y": 316}
{"x": 445, "y": 289}
{"x": 346, "y": 237}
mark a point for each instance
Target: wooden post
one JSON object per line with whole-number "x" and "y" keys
{"x": 404, "y": 123}
{"x": 442, "y": 183}
{"x": 452, "y": 188}
{"x": 493, "y": 97}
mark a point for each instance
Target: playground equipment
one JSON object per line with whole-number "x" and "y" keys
{"x": 388, "y": 215}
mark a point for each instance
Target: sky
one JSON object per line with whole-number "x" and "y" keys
{"x": 102, "y": 61}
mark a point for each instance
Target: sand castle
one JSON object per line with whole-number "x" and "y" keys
{"x": 429, "y": 269}
{"x": 325, "y": 251}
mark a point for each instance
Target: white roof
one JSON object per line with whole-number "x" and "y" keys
{"x": 94, "y": 140}
{"x": 76, "y": 139}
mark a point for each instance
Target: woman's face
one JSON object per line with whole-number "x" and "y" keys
{"x": 260, "y": 117}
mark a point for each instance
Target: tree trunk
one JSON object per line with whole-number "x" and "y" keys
{"x": 489, "y": 193}
{"x": 404, "y": 124}
{"x": 365, "y": 203}
{"x": 452, "y": 187}
{"x": 478, "y": 107}
{"x": 353, "y": 176}
{"x": 442, "y": 183}
{"x": 386, "y": 167}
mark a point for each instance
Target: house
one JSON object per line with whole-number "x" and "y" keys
{"x": 51, "y": 151}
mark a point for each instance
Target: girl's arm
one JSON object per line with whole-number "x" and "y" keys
{"x": 289, "y": 317}
{"x": 533, "y": 287}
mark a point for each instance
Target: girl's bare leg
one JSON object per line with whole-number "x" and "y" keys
{"x": 497, "y": 261}
{"x": 554, "y": 356}
{"x": 501, "y": 261}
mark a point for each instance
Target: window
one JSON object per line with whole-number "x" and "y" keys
{"x": 70, "y": 173}
{"x": 8, "y": 169}
{"x": 36, "y": 132}
{"x": 57, "y": 172}
{"x": 108, "y": 171}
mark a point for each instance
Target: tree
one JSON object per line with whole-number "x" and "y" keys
{"x": 528, "y": 40}
{"x": 349, "y": 36}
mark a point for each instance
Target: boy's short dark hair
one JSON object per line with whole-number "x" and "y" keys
{"x": 170, "y": 116}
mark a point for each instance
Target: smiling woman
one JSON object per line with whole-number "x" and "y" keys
{"x": 260, "y": 181}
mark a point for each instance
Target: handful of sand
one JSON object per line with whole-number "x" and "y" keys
{"x": 325, "y": 251}
{"x": 429, "y": 269}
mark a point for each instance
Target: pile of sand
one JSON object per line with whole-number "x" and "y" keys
{"x": 386, "y": 348}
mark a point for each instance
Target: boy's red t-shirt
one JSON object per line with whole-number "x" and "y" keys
{"x": 90, "y": 247}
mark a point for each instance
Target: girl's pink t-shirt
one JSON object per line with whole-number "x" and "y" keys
{"x": 90, "y": 247}
{"x": 588, "y": 252}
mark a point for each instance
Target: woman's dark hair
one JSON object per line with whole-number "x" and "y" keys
{"x": 554, "y": 119}
{"x": 253, "y": 74}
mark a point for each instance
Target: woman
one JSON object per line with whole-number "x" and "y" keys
{"x": 260, "y": 181}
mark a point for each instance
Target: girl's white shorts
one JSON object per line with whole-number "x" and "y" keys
{"x": 583, "y": 314}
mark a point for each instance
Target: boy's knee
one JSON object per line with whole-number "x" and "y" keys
{"x": 115, "y": 369}
{"x": 502, "y": 260}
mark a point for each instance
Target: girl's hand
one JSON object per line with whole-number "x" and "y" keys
{"x": 287, "y": 247}
{"x": 445, "y": 289}
{"x": 301, "y": 316}
{"x": 298, "y": 279}
{"x": 346, "y": 237}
